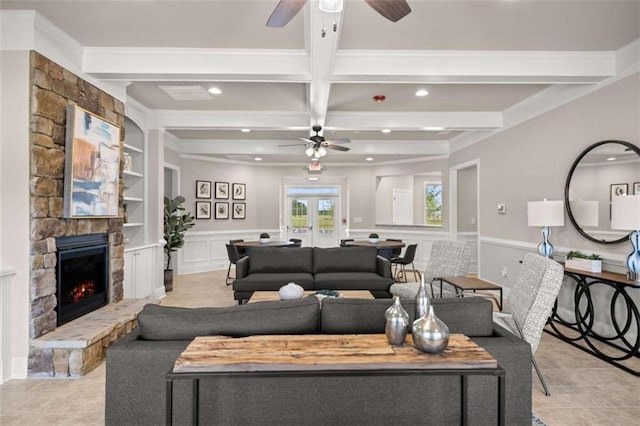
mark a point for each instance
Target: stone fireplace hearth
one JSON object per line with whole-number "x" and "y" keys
{"x": 52, "y": 89}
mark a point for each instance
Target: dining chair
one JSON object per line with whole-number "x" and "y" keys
{"x": 343, "y": 243}
{"x": 396, "y": 252}
{"x": 447, "y": 259}
{"x": 296, "y": 242}
{"x": 234, "y": 256}
{"x": 527, "y": 309}
{"x": 402, "y": 262}
{"x": 241, "y": 251}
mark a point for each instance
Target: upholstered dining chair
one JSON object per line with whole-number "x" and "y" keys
{"x": 234, "y": 256}
{"x": 402, "y": 262}
{"x": 396, "y": 252}
{"x": 297, "y": 242}
{"x": 527, "y": 309}
{"x": 447, "y": 259}
{"x": 241, "y": 251}
{"x": 343, "y": 243}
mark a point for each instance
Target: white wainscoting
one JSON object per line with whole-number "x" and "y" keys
{"x": 206, "y": 251}
{"x": 6, "y": 279}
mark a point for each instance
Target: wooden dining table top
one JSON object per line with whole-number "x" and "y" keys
{"x": 382, "y": 244}
{"x": 274, "y": 243}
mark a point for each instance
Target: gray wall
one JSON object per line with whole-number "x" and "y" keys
{"x": 467, "y": 200}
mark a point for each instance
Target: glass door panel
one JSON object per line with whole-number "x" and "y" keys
{"x": 325, "y": 231}
{"x": 299, "y": 223}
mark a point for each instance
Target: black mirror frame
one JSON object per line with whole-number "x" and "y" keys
{"x": 566, "y": 189}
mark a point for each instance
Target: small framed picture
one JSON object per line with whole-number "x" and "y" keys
{"x": 222, "y": 211}
{"x": 203, "y": 209}
{"x": 618, "y": 189}
{"x": 203, "y": 189}
{"x": 222, "y": 190}
{"x": 239, "y": 210}
{"x": 636, "y": 188}
{"x": 239, "y": 191}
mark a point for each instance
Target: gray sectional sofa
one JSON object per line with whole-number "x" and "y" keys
{"x": 136, "y": 367}
{"x": 313, "y": 268}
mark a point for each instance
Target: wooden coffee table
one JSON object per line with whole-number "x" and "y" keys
{"x": 269, "y": 296}
{"x": 326, "y": 355}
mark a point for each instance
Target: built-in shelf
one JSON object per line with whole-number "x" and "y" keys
{"x": 132, "y": 149}
{"x": 133, "y": 224}
{"x": 132, "y": 174}
{"x": 134, "y": 199}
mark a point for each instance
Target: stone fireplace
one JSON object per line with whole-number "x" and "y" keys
{"x": 52, "y": 89}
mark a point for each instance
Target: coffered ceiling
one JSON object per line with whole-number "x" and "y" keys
{"x": 486, "y": 65}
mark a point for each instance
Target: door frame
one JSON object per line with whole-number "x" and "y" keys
{"x": 453, "y": 204}
{"x": 338, "y": 208}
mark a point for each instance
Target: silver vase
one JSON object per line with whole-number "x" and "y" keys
{"x": 397, "y": 323}
{"x": 430, "y": 334}
{"x": 422, "y": 299}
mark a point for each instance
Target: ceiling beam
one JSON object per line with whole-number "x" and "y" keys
{"x": 473, "y": 120}
{"x": 473, "y": 66}
{"x": 148, "y": 64}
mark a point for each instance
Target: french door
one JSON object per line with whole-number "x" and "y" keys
{"x": 313, "y": 215}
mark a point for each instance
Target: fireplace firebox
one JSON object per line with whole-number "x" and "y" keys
{"x": 82, "y": 275}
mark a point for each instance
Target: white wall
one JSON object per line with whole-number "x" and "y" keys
{"x": 14, "y": 205}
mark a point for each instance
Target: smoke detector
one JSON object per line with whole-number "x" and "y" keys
{"x": 379, "y": 98}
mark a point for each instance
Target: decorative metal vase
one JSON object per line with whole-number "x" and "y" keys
{"x": 430, "y": 334}
{"x": 422, "y": 299}
{"x": 397, "y": 323}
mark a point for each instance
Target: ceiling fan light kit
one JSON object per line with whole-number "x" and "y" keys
{"x": 331, "y": 6}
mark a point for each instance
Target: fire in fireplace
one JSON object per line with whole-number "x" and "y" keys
{"x": 82, "y": 275}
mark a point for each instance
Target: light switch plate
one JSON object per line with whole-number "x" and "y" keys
{"x": 502, "y": 209}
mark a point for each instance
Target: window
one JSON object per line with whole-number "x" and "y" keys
{"x": 433, "y": 204}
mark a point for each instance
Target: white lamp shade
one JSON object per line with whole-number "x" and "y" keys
{"x": 585, "y": 213}
{"x": 545, "y": 213}
{"x": 625, "y": 212}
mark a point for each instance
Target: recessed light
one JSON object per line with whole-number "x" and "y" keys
{"x": 369, "y": 159}
{"x": 258, "y": 159}
{"x": 245, "y": 130}
{"x": 386, "y": 130}
{"x": 433, "y": 129}
{"x": 214, "y": 90}
{"x": 611, "y": 158}
{"x": 313, "y": 178}
{"x": 422, "y": 92}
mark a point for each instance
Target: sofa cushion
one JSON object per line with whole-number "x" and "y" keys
{"x": 273, "y": 259}
{"x": 344, "y": 259}
{"x": 471, "y": 316}
{"x": 351, "y": 281}
{"x": 272, "y": 281}
{"x": 286, "y": 317}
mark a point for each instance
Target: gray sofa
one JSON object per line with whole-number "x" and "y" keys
{"x": 313, "y": 268}
{"x": 136, "y": 367}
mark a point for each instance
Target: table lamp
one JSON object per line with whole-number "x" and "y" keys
{"x": 546, "y": 214}
{"x": 625, "y": 215}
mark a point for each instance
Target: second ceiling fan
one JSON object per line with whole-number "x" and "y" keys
{"x": 393, "y": 10}
{"x": 317, "y": 145}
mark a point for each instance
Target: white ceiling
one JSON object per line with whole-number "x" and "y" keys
{"x": 480, "y": 60}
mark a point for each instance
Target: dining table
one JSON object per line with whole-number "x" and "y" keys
{"x": 245, "y": 247}
{"x": 385, "y": 247}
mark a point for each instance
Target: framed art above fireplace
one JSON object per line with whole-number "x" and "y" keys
{"x": 92, "y": 165}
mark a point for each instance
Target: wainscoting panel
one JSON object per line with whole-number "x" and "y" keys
{"x": 6, "y": 279}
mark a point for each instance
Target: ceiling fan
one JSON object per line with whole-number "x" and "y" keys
{"x": 317, "y": 145}
{"x": 393, "y": 10}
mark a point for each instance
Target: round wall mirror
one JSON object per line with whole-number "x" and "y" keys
{"x": 602, "y": 171}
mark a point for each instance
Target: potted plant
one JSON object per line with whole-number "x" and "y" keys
{"x": 264, "y": 238}
{"x": 585, "y": 262}
{"x": 373, "y": 238}
{"x": 175, "y": 225}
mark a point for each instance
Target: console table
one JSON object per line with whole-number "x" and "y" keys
{"x": 584, "y": 316}
{"x": 327, "y": 355}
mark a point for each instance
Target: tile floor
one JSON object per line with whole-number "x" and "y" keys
{"x": 584, "y": 390}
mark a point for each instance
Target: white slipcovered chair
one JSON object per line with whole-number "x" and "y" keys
{"x": 530, "y": 302}
{"x": 447, "y": 259}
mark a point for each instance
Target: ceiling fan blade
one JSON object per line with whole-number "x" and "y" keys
{"x": 393, "y": 10}
{"x": 284, "y": 12}
{"x": 337, "y": 147}
{"x": 307, "y": 140}
{"x": 295, "y": 144}
{"x": 338, "y": 141}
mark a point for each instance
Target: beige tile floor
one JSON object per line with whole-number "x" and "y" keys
{"x": 584, "y": 390}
